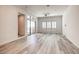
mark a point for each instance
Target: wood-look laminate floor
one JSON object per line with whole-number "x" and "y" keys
{"x": 40, "y": 44}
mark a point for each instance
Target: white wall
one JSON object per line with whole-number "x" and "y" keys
{"x": 8, "y": 24}
{"x": 57, "y": 19}
{"x": 71, "y": 24}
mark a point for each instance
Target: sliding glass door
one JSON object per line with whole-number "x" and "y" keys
{"x": 30, "y": 27}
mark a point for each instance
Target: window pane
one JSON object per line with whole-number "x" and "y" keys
{"x": 48, "y": 24}
{"x": 43, "y": 24}
{"x": 32, "y": 24}
{"x": 53, "y": 24}
{"x": 28, "y": 26}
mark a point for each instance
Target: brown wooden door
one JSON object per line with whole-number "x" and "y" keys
{"x": 21, "y": 25}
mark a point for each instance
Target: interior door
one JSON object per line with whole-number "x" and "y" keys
{"x": 21, "y": 25}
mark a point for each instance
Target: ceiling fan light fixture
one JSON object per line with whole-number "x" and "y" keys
{"x": 46, "y": 15}
{"x": 48, "y": 5}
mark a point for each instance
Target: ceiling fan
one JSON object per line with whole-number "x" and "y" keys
{"x": 47, "y": 13}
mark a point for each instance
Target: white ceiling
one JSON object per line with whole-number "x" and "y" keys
{"x": 41, "y": 10}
